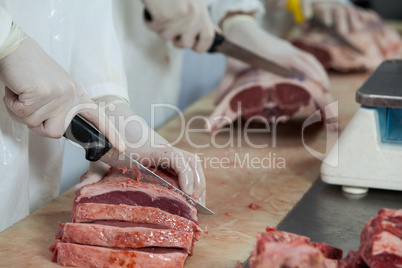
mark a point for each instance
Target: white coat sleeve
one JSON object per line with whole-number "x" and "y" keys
{"x": 219, "y": 8}
{"x": 97, "y": 63}
{"x": 5, "y": 24}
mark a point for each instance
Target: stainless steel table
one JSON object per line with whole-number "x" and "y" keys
{"x": 326, "y": 214}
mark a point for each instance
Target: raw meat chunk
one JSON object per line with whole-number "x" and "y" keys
{"x": 261, "y": 96}
{"x": 276, "y": 249}
{"x": 329, "y": 251}
{"x": 291, "y": 255}
{"x": 377, "y": 40}
{"x": 381, "y": 240}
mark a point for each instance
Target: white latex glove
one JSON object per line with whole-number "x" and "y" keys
{"x": 184, "y": 22}
{"x": 244, "y": 31}
{"x": 151, "y": 153}
{"x": 41, "y": 94}
{"x": 346, "y": 18}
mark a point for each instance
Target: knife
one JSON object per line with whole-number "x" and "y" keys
{"x": 224, "y": 46}
{"x": 97, "y": 147}
{"x": 295, "y": 7}
{"x": 315, "y": 22}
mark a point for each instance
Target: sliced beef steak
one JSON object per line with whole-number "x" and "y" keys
{"x": 89, "y": 212}
{"x": 125, "y": 235}
{"x": 264, "y": 97}
{"x": 122, "y": 221}
{"x": 377, "y": 40}
{"x": 123, "y": 187}
{"x": 69, "y": 254}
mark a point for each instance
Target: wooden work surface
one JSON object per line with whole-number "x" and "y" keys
{"x": 229, "y": 190}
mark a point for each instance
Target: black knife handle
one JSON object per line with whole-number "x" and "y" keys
{"x": 218, "y": 39}
{"x": 147, "y": 15}
{"x": 94, "y": 142}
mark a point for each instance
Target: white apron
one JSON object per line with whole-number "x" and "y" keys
{"x": 80, "y": 36}
{"x": 153, "y": 66}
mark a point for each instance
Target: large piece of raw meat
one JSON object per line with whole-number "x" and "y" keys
{"x": 124, "y": 222}
{"x": 377, "y": 40}
{"x": 260, "y": 96}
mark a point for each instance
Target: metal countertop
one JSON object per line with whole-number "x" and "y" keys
{"x": 326, "y": 214}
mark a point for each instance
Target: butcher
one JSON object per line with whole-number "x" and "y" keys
{"x": 261, "y": 25}
{"x": 59, "y": 54}
{"x": 264, "y": 35}
{"x": 57, "y": 59}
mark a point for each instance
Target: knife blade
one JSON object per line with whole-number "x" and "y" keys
{"x": 295, "y": 7}
{"x": 97, "y": 147}
{"x": 315, "y": 22}
{"x": 222, "y": 45}
{"x": 114, "y": 159}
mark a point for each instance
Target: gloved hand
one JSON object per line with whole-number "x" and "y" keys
{"x": 149, "y": 148}
{"x": 184, "y": 22}
{"x": 41, "y": 95}
{"x": 244, "y": 31}
{"x": 346, "y": 18}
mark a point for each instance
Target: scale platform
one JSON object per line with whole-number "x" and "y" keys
{"x": 369, "y": 151}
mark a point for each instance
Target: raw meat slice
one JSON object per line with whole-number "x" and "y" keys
{"x": 125, "y": 235}
{"x": 381, "y": 240}
{"x": 261, "y": 96}
{"x": 89, "y": 212}
{"x": 122, "y": 187}
{"x": 378, "y": 41}
{"x": 69, "y": 254}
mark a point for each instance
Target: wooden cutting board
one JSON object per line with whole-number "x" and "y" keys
{"x": 230, "y": 189}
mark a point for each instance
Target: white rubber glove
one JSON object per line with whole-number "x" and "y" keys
{"x": 41, "y": 95}
{"x": 184, "y": 22}
{"x": 346, "y": 18}
{"x": 244, "y": 31}
{"x": 156, "y": 152}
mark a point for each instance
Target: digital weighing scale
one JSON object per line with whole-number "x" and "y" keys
{"x": 369, "y": 151}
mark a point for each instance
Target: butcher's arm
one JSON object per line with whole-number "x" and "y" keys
{"x": 343, "y": 15}
{"x": 240, "y": 25}
{"x": 38, "y": 92}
